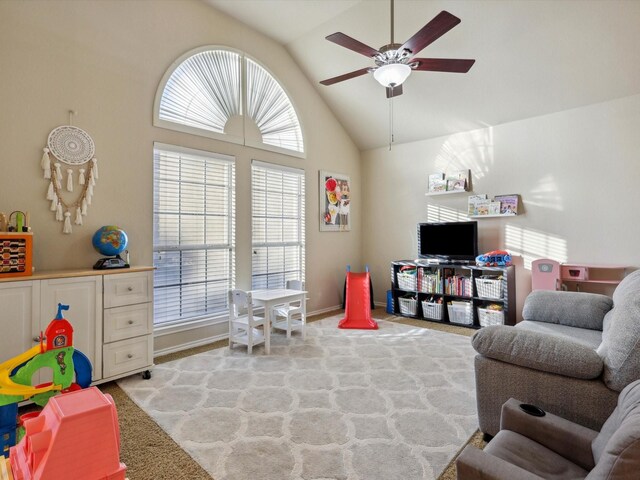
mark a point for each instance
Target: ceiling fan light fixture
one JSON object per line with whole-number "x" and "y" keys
{"x": 392, "y": 74}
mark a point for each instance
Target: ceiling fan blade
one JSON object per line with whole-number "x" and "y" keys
{"x": 443, "y": 64}
{"x": 352, "y": 44}
{"x": 346, "y": 76}
{"x": 394, "y": 91}
{"x": 441, "y": 24}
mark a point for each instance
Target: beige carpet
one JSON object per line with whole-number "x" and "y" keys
{"x": 392, "y": 403}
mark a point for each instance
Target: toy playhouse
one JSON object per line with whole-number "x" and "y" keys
{"x": 75, "y": 437}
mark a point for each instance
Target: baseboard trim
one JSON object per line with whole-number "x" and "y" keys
{"x": 324, "y": 310}
{"x": 186, "y": 346}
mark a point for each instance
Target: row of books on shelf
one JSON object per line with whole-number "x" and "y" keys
{"x": 480, "y": 204}
{"x": 429, "y": 281}
{"x": 458, "y": 285}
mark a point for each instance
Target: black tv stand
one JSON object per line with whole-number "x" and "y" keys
{"x": 437, "y": 291}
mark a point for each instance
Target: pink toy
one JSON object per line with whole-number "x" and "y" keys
{"x": 75, "y": 437}
{"x": 358, "y": 303}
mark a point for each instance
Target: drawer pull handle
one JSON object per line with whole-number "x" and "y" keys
{"x": 130, "y": 288}
{"x": 130, "y": 322}
{"x": 129, "y": 355}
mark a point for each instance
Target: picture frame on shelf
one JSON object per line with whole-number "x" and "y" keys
{"x": 335, "y": 202}
{"x": 508, "y": 204}
{"x": 458, "y": 180}
{"x": 494, "y": 208}
{"x": 472, "y": 203}
{"x": 436, "y": 182}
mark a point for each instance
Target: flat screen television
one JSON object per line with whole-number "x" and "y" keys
{"x": 448, "y": 241}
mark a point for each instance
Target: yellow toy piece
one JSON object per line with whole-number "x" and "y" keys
{"x": 9, "y": 387}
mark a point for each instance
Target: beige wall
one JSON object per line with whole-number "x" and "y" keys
{"x": 105, "y": 60}
{"x": 576, "y": 171}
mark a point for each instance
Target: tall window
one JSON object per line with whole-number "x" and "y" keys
{"x": 193, "y": 234}
{"x": 223, "y": 94}
{"x": 278, "y": 225}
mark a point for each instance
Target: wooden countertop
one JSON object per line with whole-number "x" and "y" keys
{"x": 71, "y": 273}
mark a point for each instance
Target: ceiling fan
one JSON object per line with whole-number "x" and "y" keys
{"x": 394, "y": 62}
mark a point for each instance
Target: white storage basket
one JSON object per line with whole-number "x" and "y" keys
{"x": 408, "y": 306}
{"x": 461, "y": 312}
{"x": 490, "y": 317}
{"x": 489, "y": 288}
{"x": 432, "y": 310}
{"x": 407, "y": 281}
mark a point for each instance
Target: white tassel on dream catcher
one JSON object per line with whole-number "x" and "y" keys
{"x": 58, "y": 175}
{"x": 45, "y": 163}
{"x": 75, "y": 148}
{"x": 69, "y": 180}
{"x": 59, "y": 215}
{"x": 67, "y": 223}
{"x": 54, "y": 203}
{"x": 78, "y": 220}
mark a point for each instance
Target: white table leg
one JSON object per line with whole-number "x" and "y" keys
{"x": 267, "y": 328}
{"x": 304, "y": 316}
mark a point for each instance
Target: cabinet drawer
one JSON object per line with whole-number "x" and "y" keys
{"x": 127, "y": 355}
{"x": 130, "y": 321}
{"x": 127, "y": 289}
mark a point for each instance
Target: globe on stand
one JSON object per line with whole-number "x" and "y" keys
{"x": 110, "y": 240}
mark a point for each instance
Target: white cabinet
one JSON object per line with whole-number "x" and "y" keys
{"x": 128, "y": 324}
{"x": 19, "y": 305}
{"x": 84, "y": 297}
{"x": 111, "y": 313}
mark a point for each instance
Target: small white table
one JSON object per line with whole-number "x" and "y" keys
{"x": 269, "y": 299}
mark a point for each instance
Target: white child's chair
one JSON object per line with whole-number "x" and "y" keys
{"x": 242, "y": 321}
{"x": 290, "y": 316}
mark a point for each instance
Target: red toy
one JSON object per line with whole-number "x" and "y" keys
{"x": 358, "y": 302}
{"x": 75, "y": 437}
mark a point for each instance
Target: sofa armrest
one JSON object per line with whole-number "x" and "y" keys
{"x": 539, "y": 351}
{"x": 474, "y": 464}
{"x": 575, "y": 309}
{"x": 568, "y": 439}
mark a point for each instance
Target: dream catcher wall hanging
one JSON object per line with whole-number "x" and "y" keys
{"x": 75, "y": 148}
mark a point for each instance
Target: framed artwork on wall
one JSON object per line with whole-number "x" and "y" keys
{"x": 335, "y": 202}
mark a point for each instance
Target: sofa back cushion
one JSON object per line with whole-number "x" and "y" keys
{"x": 575, "y": 309}
{"x": 616, "y": 449}
{"x": 620, "y": 346}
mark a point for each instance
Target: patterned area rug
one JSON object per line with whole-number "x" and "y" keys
{"x": 397, "y": 402}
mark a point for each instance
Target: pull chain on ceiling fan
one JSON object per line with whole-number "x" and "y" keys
{"x": 394, "y": 62}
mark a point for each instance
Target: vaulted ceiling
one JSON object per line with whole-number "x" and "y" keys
{"x": 533, "y": 57}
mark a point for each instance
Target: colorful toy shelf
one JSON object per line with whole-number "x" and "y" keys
{"x": 457, "y": 294}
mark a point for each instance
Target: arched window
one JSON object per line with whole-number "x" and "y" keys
{"x": 203, "y": 92}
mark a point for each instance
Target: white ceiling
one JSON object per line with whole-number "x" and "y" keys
{"x": 533, "y": 57}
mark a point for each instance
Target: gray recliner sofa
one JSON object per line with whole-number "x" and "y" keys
{"x": 549, "y": 447}
{"x": 572, "y": 354}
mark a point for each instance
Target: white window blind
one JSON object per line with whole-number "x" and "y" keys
{"x": 205, "y": 89}
{"x": 193, "y": 234}
{"x": 278, "y": 225}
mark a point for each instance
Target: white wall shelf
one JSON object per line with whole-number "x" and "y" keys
{"x": 494, "y": 216}
{"x": 447, "y": 192}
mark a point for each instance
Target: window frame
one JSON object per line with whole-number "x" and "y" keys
{"x": 180, "y": 325}
{"x": 158, "y": 122}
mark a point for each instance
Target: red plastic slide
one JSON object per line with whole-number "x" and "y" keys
{"x": 357, "y": 304}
